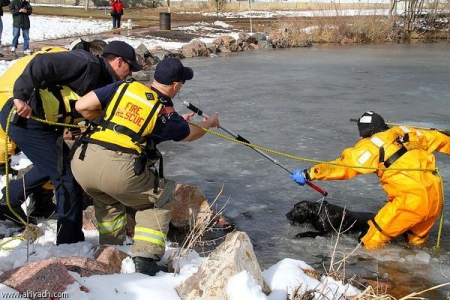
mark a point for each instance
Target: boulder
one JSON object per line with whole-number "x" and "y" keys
{"x": 195, "y": 49}
{"x": 210, "y": 281}
{"x": 110, "y": 256}
{"x": 191, "y": 206}
{"x": 226, "y": 43}
{"x": 49, "y": 276}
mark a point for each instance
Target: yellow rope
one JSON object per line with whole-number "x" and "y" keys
{"x": 7, "y": 170}
{"x": 441, "y": 219}
{"x": 8, "y": 202}
{"x": 335, "y": 164}
{"x": 218, "y": 135}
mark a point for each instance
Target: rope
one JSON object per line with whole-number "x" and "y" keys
{"x": 436, "y": 170}
{"x": 441, "y": 219}
{"x": 33, "y": 231}
{"x": 8, "y": 202}
{"x": 303, "y": 158}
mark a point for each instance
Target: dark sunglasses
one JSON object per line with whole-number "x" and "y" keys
{"x": 128, "y": 62}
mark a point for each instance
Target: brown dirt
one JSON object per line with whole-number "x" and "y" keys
{"x": 148, "y": 17}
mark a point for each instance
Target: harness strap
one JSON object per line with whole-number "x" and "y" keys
{"x": 116, "y": 104}
{"x": 80, "y": 141}
{"x": 399, "y": 153}
{"x": 83, "y": 151}
{"x": 379, "y": 229}
{"x": 135, "y": 137}
{"x": 381, "y": 156}
{"x": 111, "y": 146}
{"x": 147, "y": 120}
{"x": 159, "y": 174}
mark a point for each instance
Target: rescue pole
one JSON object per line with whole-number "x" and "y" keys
{"x": 242, "y": 139}
{"x": 446, "y": 132}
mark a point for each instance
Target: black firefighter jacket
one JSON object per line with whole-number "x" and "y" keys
{"x": 78, "y": 69}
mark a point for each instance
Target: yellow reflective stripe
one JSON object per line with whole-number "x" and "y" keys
{"x": 150, "y": 235}
{"x": 109, "y": 227}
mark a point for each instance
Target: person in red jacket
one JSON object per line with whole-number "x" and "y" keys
{"x": 116, "y": 12}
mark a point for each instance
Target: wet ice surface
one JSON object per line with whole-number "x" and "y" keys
{"x": 300, "y": 102}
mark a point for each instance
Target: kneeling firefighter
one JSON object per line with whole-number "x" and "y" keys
{"x": 402, "y": 158}
{"x": 114, "y": 160}
{"x": 40, "y": 190}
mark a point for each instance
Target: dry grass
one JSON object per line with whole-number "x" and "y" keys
{"x": 318, "y": 29}
{"x": 358, "y": 29}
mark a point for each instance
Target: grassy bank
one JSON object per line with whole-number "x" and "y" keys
{"x": 318, "y": 28}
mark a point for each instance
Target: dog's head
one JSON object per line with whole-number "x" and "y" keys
{"x": 304, "y": 212}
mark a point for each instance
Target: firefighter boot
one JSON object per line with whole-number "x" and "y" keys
{"x": 148, "y": 266}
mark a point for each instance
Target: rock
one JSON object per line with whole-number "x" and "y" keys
{"x": 234, "y": 255}
{"x": 51, "y": 276}
{"x": 265, "y": 45}
{"x": 226, "y": 43}
{"x": 278, "y": 40}
{"x": 160, "y": 53}
{"x": 110, "y": 256}
{"x": 212, "y": 48}
{"x": 195, "y": 49}
{"x": 48, "y": 276}
{"x": 191, "y": 206}
{"x": 86, "y": 266}
{"x": 259, "y": 36}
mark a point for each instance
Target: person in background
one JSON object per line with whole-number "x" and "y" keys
{"x": 115, "y": 162}
{"x": 42, "y": 143}
{"x": 402, "y": 157}
{"x": 21, "y": 10}
{"x": 2, "y": 3}
{"x": 116, "y": 12}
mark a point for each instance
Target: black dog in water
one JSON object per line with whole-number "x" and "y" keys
{"x": 327, "y": 218}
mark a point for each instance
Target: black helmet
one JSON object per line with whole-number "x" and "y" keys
{"x": 371, "y": 123}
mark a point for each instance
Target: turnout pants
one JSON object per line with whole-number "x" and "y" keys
{"x": 39, "y": 143}
{"x": 108, "y": 176}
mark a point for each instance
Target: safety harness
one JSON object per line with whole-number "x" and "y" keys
{"x": 148, "y": 154}
{"x": 399, "y": 153}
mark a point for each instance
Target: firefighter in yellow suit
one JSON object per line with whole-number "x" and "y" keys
{"x": 402, "y": 159}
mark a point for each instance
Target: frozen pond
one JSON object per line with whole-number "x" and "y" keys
{"x": 299, "y": 102}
